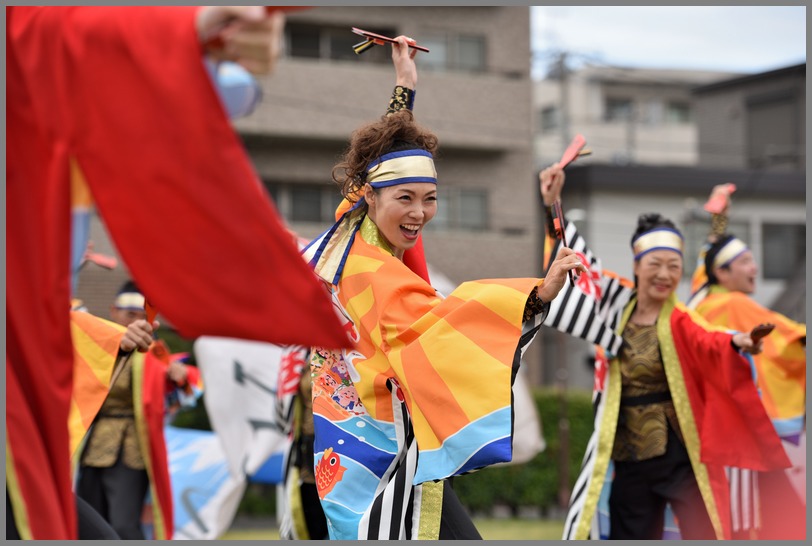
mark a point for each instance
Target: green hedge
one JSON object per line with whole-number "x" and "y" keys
{"x": 536, "y": 482}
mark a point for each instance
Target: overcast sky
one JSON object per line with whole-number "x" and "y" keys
{"x": 745, "y": 39}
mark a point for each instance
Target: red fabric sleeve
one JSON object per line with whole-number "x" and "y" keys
{"x": 123, "y": 92}
{"x": 154, "y": 408}
{"x": 126, "y": 91}
{"x": 733, "y": 426}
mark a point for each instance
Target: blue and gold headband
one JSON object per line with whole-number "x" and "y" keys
{"x": 328, "y": 252}
{"x": 732, "y": 250}
{"x": 661, "y": 238}
{"x": 402, "y": 167}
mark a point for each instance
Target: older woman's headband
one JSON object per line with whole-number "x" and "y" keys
{"x": 401, "y": 167}
{"x": 661, "y": 238}
{"x": 729, "y": 252}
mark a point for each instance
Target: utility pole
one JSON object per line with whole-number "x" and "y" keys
{"x": 562, "y": 373}
{"x": 564, "y": 109}
{"x": 631, "y": 128}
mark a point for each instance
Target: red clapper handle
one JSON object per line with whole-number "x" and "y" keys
{"x": 377, "y": 38}
{"x": 716, "y": 205}
{"x": 558, "y": 223}
{"x": 151, "y": 311}
{"x": 572, "y": 151}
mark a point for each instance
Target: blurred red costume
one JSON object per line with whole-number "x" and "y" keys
{"x": 122, "y": 94}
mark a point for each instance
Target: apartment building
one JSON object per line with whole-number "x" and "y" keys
{"x": 628, "y": 115}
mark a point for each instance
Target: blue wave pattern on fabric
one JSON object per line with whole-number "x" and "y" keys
{"x": 360, "y": 438}
{"x": 464, "y": 451}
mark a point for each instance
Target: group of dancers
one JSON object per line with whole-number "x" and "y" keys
{"x": 406, "y": 387}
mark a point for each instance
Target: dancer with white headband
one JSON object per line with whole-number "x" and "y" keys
{"x": 426, "y": 392}
{"x": 674, "y": 403}
{"x": 773, "y": 505}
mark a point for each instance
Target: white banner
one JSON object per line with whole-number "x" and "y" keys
{"x": 240, "y": 379}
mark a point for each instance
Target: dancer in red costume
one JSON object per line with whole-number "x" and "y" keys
{"x": 121, "y": 95}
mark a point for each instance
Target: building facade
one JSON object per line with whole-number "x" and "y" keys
{"x": 629, "y": 116}
{"x": 755, "y": 122}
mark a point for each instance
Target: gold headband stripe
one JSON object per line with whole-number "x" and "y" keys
{"x": 402, "y": 167}
{"x": 662, "y": 239}
{"x": 731, "y": 250}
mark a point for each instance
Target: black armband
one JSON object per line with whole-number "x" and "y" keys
{"x": 402, "y": 97}
{"x": 534, "y": 306}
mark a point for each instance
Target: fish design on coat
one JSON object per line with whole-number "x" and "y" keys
{"x": 328, "y": 472}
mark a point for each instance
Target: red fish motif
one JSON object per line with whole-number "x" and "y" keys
{"x": 328, "y": 472}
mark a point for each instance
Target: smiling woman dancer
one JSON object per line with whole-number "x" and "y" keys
{"x": 677, "y": 404}
{"x": 765, "y": 505}
{"x": 426, "y": 393}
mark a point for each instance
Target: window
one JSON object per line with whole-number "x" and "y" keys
{"x": 473, "y": 213}
{"x": 678, "y": 113}
{"x": 617, "y": 109}
{"x": 784, "y": 248}
{"x": 549, "y": 119}
{"x": 470, "y": 53}
{"x": 305, "y": 204}
{"x": 303, "y": 41}
{"x": 453, "y": 52}
{"x": 310, "y": 203}
{"x": 438, "y": 59}
{"x": 460, "y": 209}
{"x": 653, "y": 112}
{"x": 333, "y": 42}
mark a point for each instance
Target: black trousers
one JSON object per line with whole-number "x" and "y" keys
{"x": 455, "y": 523}
{"x": 641, "y": 490}
{"x": 117, "y": 493}
{"x": 314, "y": 516}
{"x": 91, "y": 525}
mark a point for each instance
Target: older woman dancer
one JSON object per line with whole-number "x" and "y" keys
{"x": 677, "y": 403}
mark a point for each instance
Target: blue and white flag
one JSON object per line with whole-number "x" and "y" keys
{"x": 205, "y": 495}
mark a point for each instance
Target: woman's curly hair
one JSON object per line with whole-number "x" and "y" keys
{"x": 391, "y": 133}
